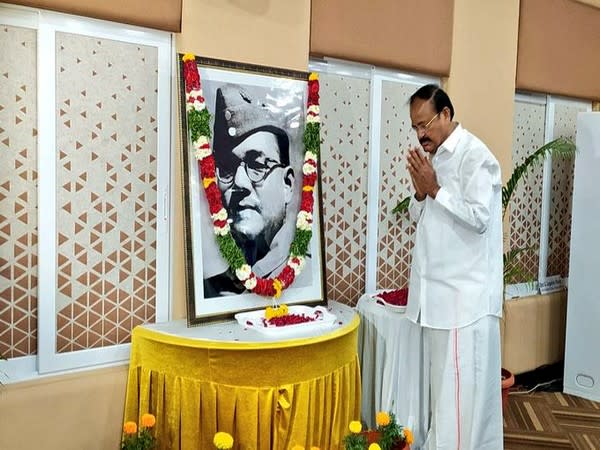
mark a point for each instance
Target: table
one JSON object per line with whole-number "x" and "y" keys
{"x": 267, "y": 394}
{"x": 394, "y": 378}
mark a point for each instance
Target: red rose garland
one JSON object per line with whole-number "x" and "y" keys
{"x": 198, "y": 124}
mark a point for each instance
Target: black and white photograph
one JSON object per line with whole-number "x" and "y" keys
{"x": 257, "y": 125}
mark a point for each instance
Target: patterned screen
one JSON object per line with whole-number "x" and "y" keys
{"x": 395, "y": 232}
{"x": 526, "y": 203}
{"x": 18, "y": 196}
{"x": 565, "y": 125}
{"x": 344, "y": 150}
{"x": 106, "y": 108}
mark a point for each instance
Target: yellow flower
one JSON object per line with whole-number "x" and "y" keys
{"x": 382, "y": 419}
{"x": 188, "y": 57}
{"x": 408, "y": 436}
{"x": 223, "y": 441}
{"x": 315, "y": 448}
{"x": 278, "y": 286}
{"x": 355, "y": 427}
{"x": 148, "y": 420}
{"x": 374, "y": 446}
{"x": 313, "y": 76}
{"x": 130, "y": 428}
{"x": 297, "y": 447}
{"x": 207, "y": 181}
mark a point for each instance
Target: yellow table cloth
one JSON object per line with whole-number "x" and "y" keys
{"x": 267, "y": 395}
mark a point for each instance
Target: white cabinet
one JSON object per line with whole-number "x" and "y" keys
{"x": 582, "y": 355}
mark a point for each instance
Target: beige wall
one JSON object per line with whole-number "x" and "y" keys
{"x": 71, "y": 412}
{"x": 482, "y": 74}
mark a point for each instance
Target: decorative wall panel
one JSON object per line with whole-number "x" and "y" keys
{"x": 526, "y": 203}
{"x": 18, "y": 195}
{"x": 565, "y": 125}
{"x": 106, "y": 109}
{"x": 395, "y": 232}
{"x": 344, "y": 160}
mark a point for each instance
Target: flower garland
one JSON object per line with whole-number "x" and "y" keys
{"x": 198, "y": 124}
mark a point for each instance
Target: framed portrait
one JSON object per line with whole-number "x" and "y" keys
{"x": 257, "y": 122}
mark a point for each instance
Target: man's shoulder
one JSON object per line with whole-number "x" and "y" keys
{"x": 476, "y": 148}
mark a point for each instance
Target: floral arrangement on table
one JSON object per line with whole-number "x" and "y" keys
{"x": 388, "y": 435}
{"x": 139, "y": 438}
{"x": 198, "y": 119}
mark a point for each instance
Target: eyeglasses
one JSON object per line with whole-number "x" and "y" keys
{"x": 423, "y": 128}
{"x": 256, "y": 171}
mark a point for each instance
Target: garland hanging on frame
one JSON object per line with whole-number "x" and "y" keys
{"x": 198, "y": 119}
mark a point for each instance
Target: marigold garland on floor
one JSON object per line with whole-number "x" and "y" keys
{"x": 200, "y": 133}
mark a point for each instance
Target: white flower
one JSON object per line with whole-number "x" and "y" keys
{"x": 222, "y": 231}
{"x": 201, "y": 153}
{"x": 310, "y": 156}
{"x": 202, "y": 140}
{"x": 250, "y": 283}
{"x": 313, "y": 109}
{"x": 220, "y": 215}
{"x": 199, "y": 106}
{"x": 243, "y": 272}
{"x": 308, "y": 169}
{"x": 189, "y": 106}
{"x": 304, "y": 221}
{"x": 312, "y": 119}
{"x": 296, "y": 265}
{"x": 195, "y": 93}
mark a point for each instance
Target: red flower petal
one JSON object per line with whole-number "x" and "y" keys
{"x": 309, "y": 180}
{"x": 207, "y": 168}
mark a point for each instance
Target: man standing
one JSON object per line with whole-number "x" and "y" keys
{"x": 456, "y": 286}
{"x": 251, "y": 149}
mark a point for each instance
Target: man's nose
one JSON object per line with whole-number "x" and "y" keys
{"x": 241, "y": 179}
{"x": 421, "y": 133}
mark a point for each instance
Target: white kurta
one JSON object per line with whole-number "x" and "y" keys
{"x": 456, "y": 291}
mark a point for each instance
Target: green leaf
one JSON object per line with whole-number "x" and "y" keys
{"x": 402, "y": 206}
{"x": 230, "y": 251}
{"x": 299, "y": 246}
{"x": 561, "y": 147}
{"x": 199, "y": 124}
{"x": 515, "y": 270}
{"x": 312, "y": 137}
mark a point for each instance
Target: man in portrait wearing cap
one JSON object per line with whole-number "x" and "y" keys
{"x": 252, "y": 156}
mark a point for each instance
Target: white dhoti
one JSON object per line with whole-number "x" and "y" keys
{"x": 466, "y": 406}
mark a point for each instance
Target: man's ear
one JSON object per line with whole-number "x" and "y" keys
{"x": 288, "y": 184}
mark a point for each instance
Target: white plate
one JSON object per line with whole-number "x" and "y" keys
{"x": 253, "y": 320}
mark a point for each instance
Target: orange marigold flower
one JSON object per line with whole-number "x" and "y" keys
{"x": 148, "y": 420}
{"x": 408, "y": 436}
{"x": 382, "y": 419}
{"x": 130, "y": 428}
